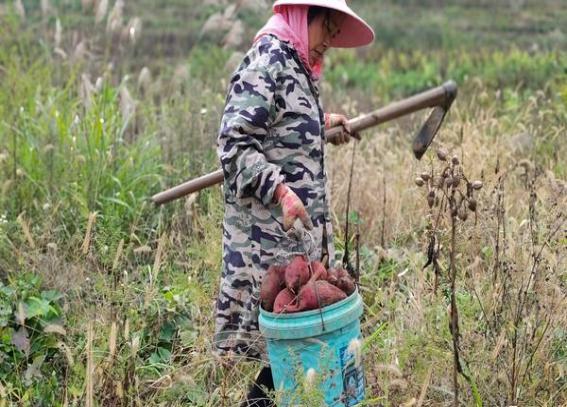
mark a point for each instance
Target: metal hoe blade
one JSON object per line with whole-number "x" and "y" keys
{"x": 431, "y": 126}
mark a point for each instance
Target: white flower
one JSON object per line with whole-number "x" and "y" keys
{"x": 310, "y": 378}
{"x": 99, "y": 83}
{"x": 355, "y": 349}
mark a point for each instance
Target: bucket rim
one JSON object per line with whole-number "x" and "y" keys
{"x": 310, "y": 312}
{"x": 311, "y": 323}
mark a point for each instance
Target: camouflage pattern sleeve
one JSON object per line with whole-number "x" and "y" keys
{"x": 247, "y": 117}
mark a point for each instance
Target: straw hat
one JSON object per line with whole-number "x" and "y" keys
{"x": 355, "y": 32}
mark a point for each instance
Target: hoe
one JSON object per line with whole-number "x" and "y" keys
{"x": 440, "y": 99}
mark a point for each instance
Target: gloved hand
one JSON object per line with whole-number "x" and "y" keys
{"x": 333, "y": 120}
{"x": 292, "y": 207}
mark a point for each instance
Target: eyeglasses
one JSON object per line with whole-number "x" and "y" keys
{"x": 333, "y": 30}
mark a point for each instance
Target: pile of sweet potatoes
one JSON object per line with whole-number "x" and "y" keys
{"x": 299, "y": 287}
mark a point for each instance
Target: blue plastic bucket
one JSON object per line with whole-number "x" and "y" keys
{"x": 327, "y": 340}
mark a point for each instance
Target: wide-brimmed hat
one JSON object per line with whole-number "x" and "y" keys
{"x": 355, "y": 32}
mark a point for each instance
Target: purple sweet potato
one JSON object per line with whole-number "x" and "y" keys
{"x": 272, "y": 284}
{"x": 285, "y": 302}
{"x": 319, "y": 272}
{"x": 296, "y": 274}
{"x": 317, "y": 293}
{"x": 340, "y": 278}
{"x": 332, "y": 276}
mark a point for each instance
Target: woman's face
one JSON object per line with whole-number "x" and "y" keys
{"x": 322, "y": 29}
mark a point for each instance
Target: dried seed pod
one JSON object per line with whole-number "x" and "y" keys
{"x": 438, "y": 182}
{"x": 476, "y": 185}
{"x": 419, "y": 182}
{"x": 431, "y": 198}
{"x": 472, "y": 204}
{"x": 463, "y": 215}
{"x": 458, "y": 201}
{"x": 456, "y": 181}
{"x": 442, "y": 154}
{"x": 452, "y": 182}
{"x": 455, "y": 160}
{"x": 454, "y": 211}
{"x": 425, "y": 176}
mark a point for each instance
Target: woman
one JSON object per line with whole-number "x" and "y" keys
{"x": 271, "y": 146}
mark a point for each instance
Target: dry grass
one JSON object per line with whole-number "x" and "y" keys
{"x": 510, "y": 258}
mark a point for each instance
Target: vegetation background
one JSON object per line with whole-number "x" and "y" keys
{"x": 107, "y": 300}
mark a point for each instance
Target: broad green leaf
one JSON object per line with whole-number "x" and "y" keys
{"x": 167, "y": 332}
{"x": 35, "y": 307}
{"x": 51, "y": 295}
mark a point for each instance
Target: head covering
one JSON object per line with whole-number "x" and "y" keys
{"x": 289, "y": 23}
{"x": 355, "y": 32}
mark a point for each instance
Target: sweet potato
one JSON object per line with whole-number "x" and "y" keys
{"x": 317, "y": 293}
{"x": 347, "y": 285}
{"x": 332, "y": 276}
{"x": 319, "y": 272}
{"x": 296, "y": 274}
{"x": 285, "y": 302}
{"x": 340, "y": 278}
{"x": 272, "y": 284}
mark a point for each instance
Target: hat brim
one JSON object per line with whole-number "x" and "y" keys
{"x": 355, "y": 32}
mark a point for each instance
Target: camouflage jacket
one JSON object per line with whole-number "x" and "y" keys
{"x": 272, "y": 131}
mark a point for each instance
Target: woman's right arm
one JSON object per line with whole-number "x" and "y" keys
{"x": 248, "y": 114}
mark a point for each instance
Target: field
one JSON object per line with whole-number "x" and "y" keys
{"x": 107, "y": 300}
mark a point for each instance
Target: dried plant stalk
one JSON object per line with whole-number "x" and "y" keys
{"x": 87, "y": 240}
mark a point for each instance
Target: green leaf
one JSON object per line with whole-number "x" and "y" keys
{"x": 164, "y": 354}
{"x": 6, "y": 292}
{"x": 51, "y": 296}
{"x": 36, "y": 307}
{"x": 168, "y": 296}
{"x": 167, "y": 332}
{"x": 5, "y": 313}
{"x": 188, "y": 337}
{"x": 6, "y": 336}
{"x": 160, "y": 356}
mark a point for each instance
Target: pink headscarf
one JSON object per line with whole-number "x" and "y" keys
{"x": 289, "y": 24}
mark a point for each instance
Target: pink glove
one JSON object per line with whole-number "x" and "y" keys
{"x": 292, "y": 207}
